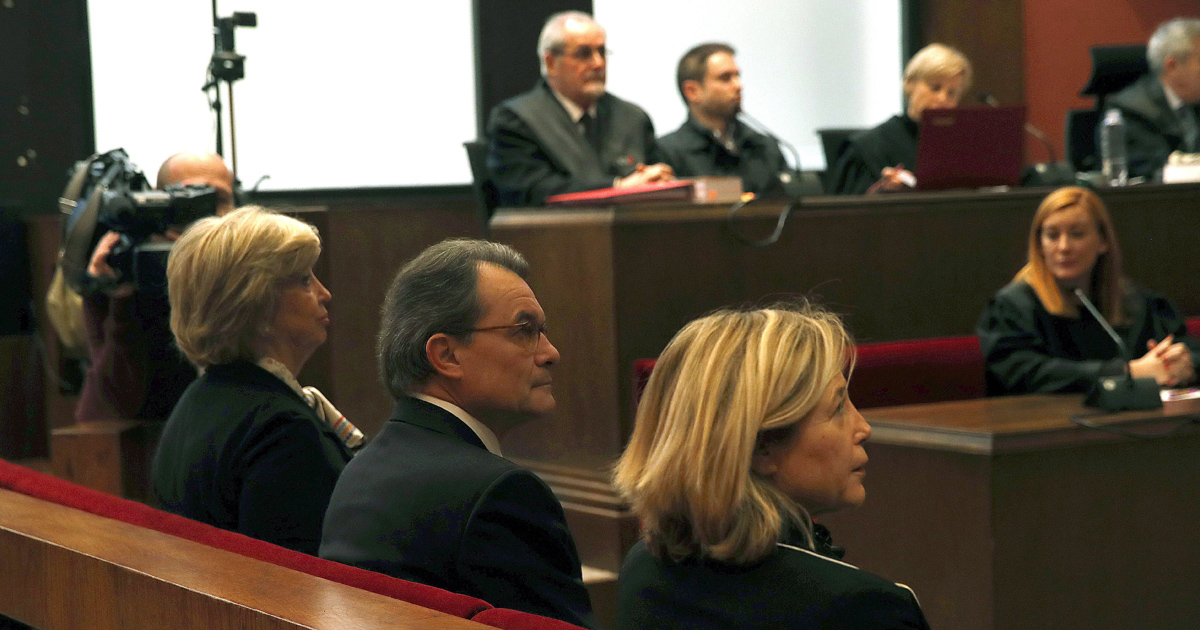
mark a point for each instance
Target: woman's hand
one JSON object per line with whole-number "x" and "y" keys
{"x": 893, "y": 178}
{"x": 1168, "y": 362}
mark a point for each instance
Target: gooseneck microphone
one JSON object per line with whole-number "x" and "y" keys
{"x": 786, "y": 177}
{"x": 1124, "y": 349}
{"x": 793, "y": 153}
{"x": 988, "y": 99}
{"x": 1113, "y": 393}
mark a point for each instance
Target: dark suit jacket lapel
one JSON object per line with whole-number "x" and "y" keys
{"x": 558, "y": 136}
{"x": 1164, "y": 117}
{"x": 428, "y": 416}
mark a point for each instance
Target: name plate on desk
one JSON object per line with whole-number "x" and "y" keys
{"x": 720, "y": 190}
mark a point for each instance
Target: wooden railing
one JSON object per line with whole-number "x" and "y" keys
{"x": 66, "y": 569}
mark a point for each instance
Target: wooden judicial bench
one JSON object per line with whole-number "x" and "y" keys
{"x": 1003, "y": 515}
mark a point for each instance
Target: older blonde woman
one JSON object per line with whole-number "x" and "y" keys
{"x": 877, "y": 160}
{"x": 743, "y": 433}
{"x": 247, "y": 448}
{"x": 1035, "y": 334}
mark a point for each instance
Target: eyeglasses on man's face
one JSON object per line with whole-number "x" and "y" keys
{"x": 527, "y": 334}
{"x": 584, "y": 54}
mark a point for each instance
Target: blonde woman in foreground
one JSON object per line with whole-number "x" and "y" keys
{"x": 743, "y": 434}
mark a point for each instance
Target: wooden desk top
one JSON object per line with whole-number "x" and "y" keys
{"x": 1017, "y": 423}
{"x": 65, "y": 568}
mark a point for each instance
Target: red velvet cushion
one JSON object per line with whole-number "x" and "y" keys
{"x": 641, "y": 375}
{"x": 517, "y": 620}
{"x": 35, "y": 484}
{"x": 918, "y": 371}
{"x": 901, "y": 372}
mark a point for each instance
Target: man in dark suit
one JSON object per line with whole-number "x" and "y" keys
{"x": 1161, "y": 109}
{"x": 462, "y": 348}
{"x": 713, "y": 141}
{"x": 568, "y": 134}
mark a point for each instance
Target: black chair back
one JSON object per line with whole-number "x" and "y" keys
{"x": 1081, "y": 139}
{"x": 1113, "y": 68}
{"x": 833, "y": 143}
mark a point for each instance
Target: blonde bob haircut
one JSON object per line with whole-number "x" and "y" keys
{"x": 727, "y": 384}
{"x": 1106, "y": 286}
{"x": 224, "y": 275}
{"x": 936, "y": 61}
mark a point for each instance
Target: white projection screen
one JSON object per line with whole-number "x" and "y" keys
{"x": 806, "y": 64}
{"x": 361, "y": 94}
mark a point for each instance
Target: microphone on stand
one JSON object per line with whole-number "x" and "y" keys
{"x": 988, "y": 99}
{"x": 787, "y": 176}
{"x": 792, "y": 182}
{"x": 1052, "y": 173}
{"x": 1116, "y": 393}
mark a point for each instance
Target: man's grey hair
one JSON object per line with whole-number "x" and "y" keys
{"x": 1173, "y": 38}
{"x": 436, "y": 292}
{"x": 553, "y": 37}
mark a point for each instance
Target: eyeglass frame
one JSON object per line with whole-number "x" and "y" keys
{"x": 578, "y": 55}
{"x": 535, "y": 341}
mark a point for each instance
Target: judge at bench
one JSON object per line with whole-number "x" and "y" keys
{"x": 879, "y": 159}
{"x": 1160, "y": 109}
{"x": 463, "y": 350}
{"x": 568, "y": 134}
{"x": 713, "y": 141}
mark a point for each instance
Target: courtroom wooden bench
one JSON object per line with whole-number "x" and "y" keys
{"x": 76, "y": 557}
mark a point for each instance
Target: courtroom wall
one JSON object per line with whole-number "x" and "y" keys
{"x": 1058, "y": 34}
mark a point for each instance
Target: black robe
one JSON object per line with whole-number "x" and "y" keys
{"x": 893, "y": 143}
{"x": 1028, "y": 350}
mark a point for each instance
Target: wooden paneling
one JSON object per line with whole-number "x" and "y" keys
{"x": 990, "y": 34}
{"x": 112, "y": 456}
{"x": 1050, "y": 526}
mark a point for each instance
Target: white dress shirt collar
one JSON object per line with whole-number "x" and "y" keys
{"x": 573, "y": 110}
{"x": 1173, "y": 99}
{"x": 489, "y": 439}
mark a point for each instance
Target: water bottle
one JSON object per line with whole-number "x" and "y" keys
{"x": 1112, "y": 148}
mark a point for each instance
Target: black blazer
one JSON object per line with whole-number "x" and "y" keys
{"x": 693, "y": 151}
{"x": 791, "y": 588}
{"x": 892, "y": 143}
{"x": 425, "y": 501}
{"x": 244, "y": 452}
{"x": 537, "y": 151}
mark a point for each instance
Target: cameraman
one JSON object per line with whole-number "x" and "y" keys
{"x": 136, "y": 372}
